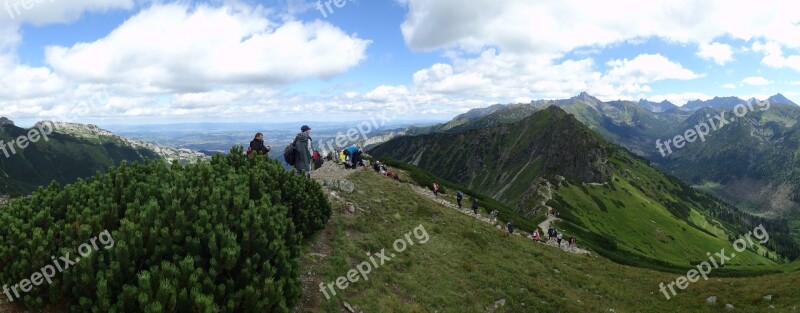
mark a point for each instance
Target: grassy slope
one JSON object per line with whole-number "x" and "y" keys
{"x": 467, "y": 266}
{"x": 645, "y": 231}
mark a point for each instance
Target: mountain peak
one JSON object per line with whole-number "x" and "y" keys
{"x": 780, "y": 98}
{"x": 4, "y": 121}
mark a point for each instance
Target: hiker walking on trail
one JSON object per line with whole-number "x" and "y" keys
{"x": 494, "y": 217}
{"x": 572, "y": 242}
{"x": 535, "y": 235}
{"x": 459, "y": 197}
{"x": 435, "y": 189}
{"x": 257, "y": 146}
{"x": 510, "y": 228}
{"x": 475, "y": 206}
{"x": 559, "y": 237}
{"x": 305, "y": 151}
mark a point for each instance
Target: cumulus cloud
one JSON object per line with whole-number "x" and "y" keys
{"x": 729, "y": 86}
{"x": 561, "y": 26}
{"x": 756, "y": 81}
{"x": 773, "y": 56}
{"x": 720, "y": 53}
{"x": 175, "y": 48}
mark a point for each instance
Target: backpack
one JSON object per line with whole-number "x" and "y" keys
{"x": 290, "y": 153}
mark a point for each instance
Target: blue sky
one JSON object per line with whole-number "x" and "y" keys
{"x": 130, "y": 61}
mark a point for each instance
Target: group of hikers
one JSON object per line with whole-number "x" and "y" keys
{"x": 552, "y": 233}
{"x": 302, "y": 156}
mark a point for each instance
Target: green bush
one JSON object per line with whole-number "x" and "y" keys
{"x": 221, "y": 236}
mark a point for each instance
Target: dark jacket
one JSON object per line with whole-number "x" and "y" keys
{"x": 306, "y": 151}
{"x": 258, "y": 147}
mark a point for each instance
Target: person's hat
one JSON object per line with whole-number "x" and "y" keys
{"x": 305, "y": 128}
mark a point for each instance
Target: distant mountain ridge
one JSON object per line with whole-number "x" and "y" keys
{"x": 750, "y": 162}
{"x": 551, "y": 159}
{"x": 72, "y": 151}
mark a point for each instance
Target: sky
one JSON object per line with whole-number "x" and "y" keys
{"x": 150, "y": 62}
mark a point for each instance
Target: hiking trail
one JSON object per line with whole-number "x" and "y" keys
{"x": 486, "y": 219}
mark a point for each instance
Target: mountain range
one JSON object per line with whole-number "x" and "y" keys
{"x": 750, "y": 162}
{"x": 552, "y": 160}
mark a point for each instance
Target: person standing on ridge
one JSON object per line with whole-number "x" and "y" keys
{"x": 475, "y": 206}
{"x": 257, "y": 146}
{"x": 510, "y": 228}
{"x": 494, "y": 217}
{"x": 459, "y": 197}
{"x": 435, "y": 189}
{"x": 305, "y": 150}
{"x": 535, "y": 235}
{"x": 559, "y": 237}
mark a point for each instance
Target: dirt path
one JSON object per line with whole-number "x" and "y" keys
{"x": 544, "y": 226}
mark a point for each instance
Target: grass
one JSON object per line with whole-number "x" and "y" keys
{"x": 467, "y": 265}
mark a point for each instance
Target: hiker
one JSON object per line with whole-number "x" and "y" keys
{"x": 559, "y": 236}
{"x": 318, "y": 161}
{"x": 572, "y": 241}
{"x": 377, "y": 166}
{"x": 257, "y": 146}
{"x": 551, "y": 233}
{"x": 535, "y": 235}
{"x": 305, "y": 151}
{"x": 389, "y": 173}
{"x": 510, "y": 228}
{"x": 494, "y": 217}
{"x": 475, "y": 206}
{"x": 435, "y": 189}
{"x": 342, "y": 157}
{"x": 354, "y": 153}
{"x": 459, "y": 197}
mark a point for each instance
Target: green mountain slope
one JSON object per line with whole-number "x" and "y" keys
{"x": 467, "y": 266}
{"x": 63, "y": 158}
{"x": 749, "y": 163}
{"x": 616, "y": 201}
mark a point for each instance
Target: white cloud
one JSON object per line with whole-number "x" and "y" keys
{"x": 773, "y": 56}
{"x": 647, "y": 68}
{"x": 797, "y": 83}
{"x": 176, "y": 48}
{"x": 729, "y": 86}
{"x": 720, "y": 53}
{"x": 547, "y": 27}
{"x": 756, "y": 81}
